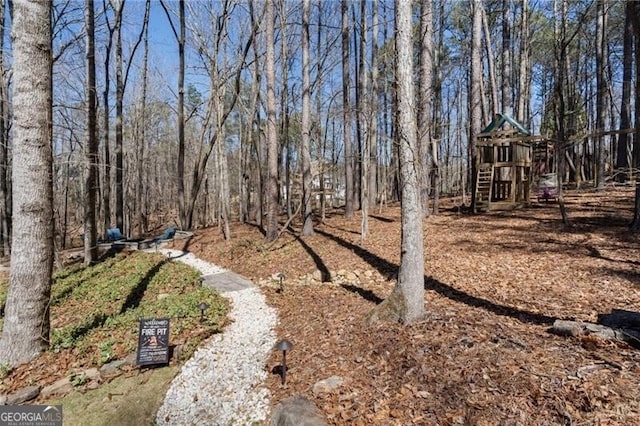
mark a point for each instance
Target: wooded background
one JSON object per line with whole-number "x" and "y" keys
{"x": 189, "y": 97}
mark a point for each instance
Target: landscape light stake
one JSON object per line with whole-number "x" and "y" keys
{"x": 281, "y": 277}
{"x": 203, "y": 307}
{"x": 284, "y": 346}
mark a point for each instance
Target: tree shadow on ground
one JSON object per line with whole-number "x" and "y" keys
{"x": 322, "y": 267}
{"x": 384, "y": 266}
{"x": 137, "y": 293}
{"x": 365, "y": 294}
{"x": 382, "y": 218}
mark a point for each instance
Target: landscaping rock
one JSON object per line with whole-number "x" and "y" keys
{"x": 350, "y": 277}
{"x": 94, "y": 384}
{"x": 327, "y": 385}
{"x": 61, "y": 387}
{"x": 297, "y": 411}
{"x": 91, "y": 373}
{"x": 3, "y": 399}
{"x": 112, "y": 368}
{"x": 317, "y": 275}
{"x": 23, "y": 395}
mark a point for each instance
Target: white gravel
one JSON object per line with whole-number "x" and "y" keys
{"x": 222, "y": 383}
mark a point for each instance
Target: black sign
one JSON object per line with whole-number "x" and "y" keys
{"x": 153, "y": 341}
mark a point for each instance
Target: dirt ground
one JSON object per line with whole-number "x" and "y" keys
{"x": 494, "y": 285}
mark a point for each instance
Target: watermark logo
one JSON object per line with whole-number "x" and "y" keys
{"x": 31, "y": 415}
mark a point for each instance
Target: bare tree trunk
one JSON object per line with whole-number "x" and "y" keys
{"x": 561, "y": 53}
{"x": 506, "y": 57}
{"x": 119, "y": 99}
{"x": 523, "y": 96}
{"x": 181, "y": 178}
{"x": 475, "y": 98}
{"x": 272, "y": 134}
{"x": 364, "y": 124}
{"x": 25, "y": 332}
{"x": 425, "y": 96}
{"x": 307, "y": 213}
{"x": 601, "y": 88}
{"x": 5, "y": 203}
{"x": 373, "y": 108}
{"x": 106, "y": 189}
{"x": 635, "y": 17}
{"x": 406, "y": 302}
{"x": 90, "y": 141}
{"x": 346, "y": 113}
{"x": 180, "y": 35}
{"x": 143, "y": 116}
{"x": 285, "y": 144}
{"x": 493, "y": 86}
{"x": 247, "y": 139}
{"x": 622, "y": 157}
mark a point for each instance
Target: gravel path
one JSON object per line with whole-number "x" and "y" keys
{"x": 222, "y": 383}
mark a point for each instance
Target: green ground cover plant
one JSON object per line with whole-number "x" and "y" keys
{"x": 95, "y": 309}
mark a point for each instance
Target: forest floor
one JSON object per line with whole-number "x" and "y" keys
{"x": 494, "y": 285}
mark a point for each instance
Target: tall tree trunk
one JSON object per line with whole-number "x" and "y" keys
{"x": 406, "y": 302}
{"x": 180, "y": 35}
{"x": 493, "y": 86}
{"x": 523, "y": 84}
{"x": 143, "y": 119}
{"x": 475, "y": 108}
{"x": 119, "y": 136}
{"x": 247, "y": 140}
{"x": 622, "y": 157}
{"x": 285, "y": 144}
{"x": 559, "y": 90}
{"x": 25, "y": 332}
{"x": 425, "y": 96}
{"x": 506, "y": 57}
{"x": 601, "y": 88}
{"x": 307, "y": 213}
{"x": 272, "y": 134}
{"x": 5, "y": 202}
{"x": 635, "y": 17}
{"x": 106, "y": 189}
{"x": 346, "y": 114}
{"x": 90, "y": 141}
{"x": 364, "y": 124}
{"x": 373, "y": 108}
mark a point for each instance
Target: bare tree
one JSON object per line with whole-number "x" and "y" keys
{"x": 475, "y": 99}
{"x": 90, "y": 140}
{"x": 364, "y": 123}
{"x": 5, "y": 196}
{"x": 506, "y": 57}
{"x": 635, "y": 17}
{"x": 346, "y": 113}
{"x": 406, "y": 302}
{"x": 119, "y": 8}
{"x": 425, "y": 96}
{"x": 524, "y": 77}
{"x": 272, "y": 132}
{"x": 600, "y": 91}
{"x": 373, "y": 108}
{"x": 106, "y": 173}
{"x": 25, "y": 332}
{"x": 142, "y": 129}
{"x": 622, "y": 157}
{"x": 307, "y": 213}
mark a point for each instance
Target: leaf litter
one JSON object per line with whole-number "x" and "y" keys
{"x": 482, "y": 355}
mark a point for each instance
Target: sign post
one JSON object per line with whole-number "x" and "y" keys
{"x": 153, "y": 341}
